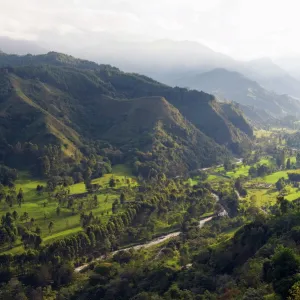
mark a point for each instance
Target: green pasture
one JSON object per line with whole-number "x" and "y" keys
{"x": 42, "y": 208}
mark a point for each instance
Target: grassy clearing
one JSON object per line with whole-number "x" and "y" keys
{"x": 293, "y": 193}
{"x": 262, "y": 133}
{"x": 265, "y": 161}
{"x": 212, "y": 177}
{"x": 241, "y": 170}
{"x": 263, "y": 197}
{"x": 273, "y": 178}
{"x": 120, "y": 173}
{"x": 43, "y": 209}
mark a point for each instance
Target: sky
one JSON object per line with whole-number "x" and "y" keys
{"x": 243, "y": 29}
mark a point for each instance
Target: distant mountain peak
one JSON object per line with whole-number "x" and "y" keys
{"x": 234, "y": 86}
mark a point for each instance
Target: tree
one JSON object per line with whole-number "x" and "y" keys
{"x": 112, "y": 182}
{"x": 295, "y": 292}
{"x": 122, "y": 198}
{"x": 115, "y": 206}
{"x": 238, "y": 184}
{"x": 282, "y": 269}
{"x": 95, "y": 201}
{"x": 25, "y": 216}
{"x": 252, "y": 294}
{"x": 184, "y": 255}
{"x": 38, "y": 230}
{"x": 253, "y": 172}
{"x": 88, "y": 173}
{"x": 88, "y": 178}
{"x": 298, "y": 159}
{"x": 288, "y": 164}
{"x": 106, "y": 246}
{"x": 45, "y": 166}
{"x": 58, "y": 211}
{"x": 32, "y": 220}
{"x": 280, "y": 159}
{"x": 283, "y": 204}
{"x": 77, "y": 177}
{"x": 280, "y": 184}
{"x": 39, "y": 189}
{"x": 20, "y": 196}
{"x": 15, "y": 215}
{"x": 88, "y": 184}
{"x": 50, "y": 226}
{"x": 8, "y": 200}
{"x": 218, "y": 208}
{"x": 228, "y": 166}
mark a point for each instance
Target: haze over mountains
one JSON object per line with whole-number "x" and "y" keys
{"x": 230, "y": 85}
{"x": 165, "y": 60}
{"x": 264, "y": 90}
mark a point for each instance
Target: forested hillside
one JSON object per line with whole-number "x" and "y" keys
{"x": 70, "y": 102}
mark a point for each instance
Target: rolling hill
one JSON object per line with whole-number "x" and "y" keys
{"x": 56, "y": 98}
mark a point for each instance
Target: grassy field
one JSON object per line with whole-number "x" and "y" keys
{"x": 43, "y": 210}
{"x": 262, "y": 133}
{"x": 273, "y": 178}
{"x": 119, "y": 172}
{"x": 217, "y": 174}
{"x": 241, "y": 170}
{"x": 264, "y": 196}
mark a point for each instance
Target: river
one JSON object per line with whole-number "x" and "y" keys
{"x": 156, "y": 240}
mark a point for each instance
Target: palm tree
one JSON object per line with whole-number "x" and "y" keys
{"x": 25, "y": 216}
{"x": 50, "y": 226}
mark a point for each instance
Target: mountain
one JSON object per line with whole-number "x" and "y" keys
{"x": 236, "y": 87}
{"x": 58, "y": 99}
{"x": 163, "y": 60}
{"x": 20, "y": 47}
{"x": 155, "y": 126}
{"x": 259, "y": 118}
{"x": 167, "y": 60}
{"x": 290, "y": 64}
{"x": 272, "y": 77}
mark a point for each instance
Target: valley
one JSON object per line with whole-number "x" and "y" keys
{"x": 116, "y": 186}
{"x": 41, "y": 208}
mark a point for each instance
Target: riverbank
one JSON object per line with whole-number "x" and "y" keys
{"x": 155, "y": 241}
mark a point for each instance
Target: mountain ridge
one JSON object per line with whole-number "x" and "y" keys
{"x": 80, "y": 100}
{"x": 234, "y": 86}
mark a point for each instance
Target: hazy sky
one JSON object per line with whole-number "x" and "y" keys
{"x": 241, "y": 28}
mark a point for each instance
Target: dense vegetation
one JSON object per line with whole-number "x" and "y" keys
{"x": 70, "y": 102}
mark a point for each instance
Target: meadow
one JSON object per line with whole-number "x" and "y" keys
{"x": 43, "y": 209}
{"x": 262, "y": 188}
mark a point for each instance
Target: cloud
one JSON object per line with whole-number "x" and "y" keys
{"x": 242, "y": 28}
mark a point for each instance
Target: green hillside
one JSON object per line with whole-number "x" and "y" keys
{"x": 70, "y": 102}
